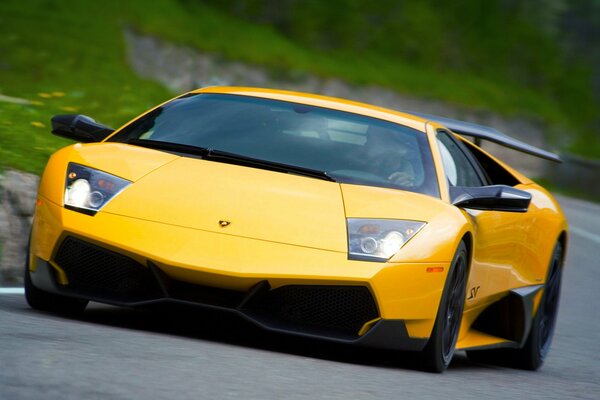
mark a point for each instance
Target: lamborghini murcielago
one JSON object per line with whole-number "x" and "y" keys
{"x": 306, "y": 215}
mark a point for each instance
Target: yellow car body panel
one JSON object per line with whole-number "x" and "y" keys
{"x": 252, "y": 200}
{"x": 291, "y": 230}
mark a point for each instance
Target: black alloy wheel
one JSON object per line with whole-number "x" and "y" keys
{"x": 549, "y": 305}
{"x": 454, "y": 307}
{"x": 440, "y": 349}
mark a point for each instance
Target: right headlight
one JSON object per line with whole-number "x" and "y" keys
{"x": 378, "y": 239}
{"x": 87, "y": 190}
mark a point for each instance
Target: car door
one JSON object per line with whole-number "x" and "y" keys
{"x": 499, "y": 238}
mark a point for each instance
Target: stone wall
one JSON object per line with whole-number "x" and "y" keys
{"x": 18, "y": 191}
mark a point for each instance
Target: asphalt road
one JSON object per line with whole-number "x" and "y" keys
{"x": 113, "y": 353}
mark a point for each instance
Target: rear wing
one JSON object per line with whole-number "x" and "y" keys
{"x": 480, "y": 132}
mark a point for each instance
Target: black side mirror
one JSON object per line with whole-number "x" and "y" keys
{"x": 492, "y": 198}
{"x": 80, "y": 128}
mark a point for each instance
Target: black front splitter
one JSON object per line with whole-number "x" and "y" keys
{"x": 384, "y": 334}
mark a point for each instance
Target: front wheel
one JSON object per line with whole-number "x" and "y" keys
{"x": 440, "y": 349}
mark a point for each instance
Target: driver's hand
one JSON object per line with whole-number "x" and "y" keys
{"x": 402, "y": 179}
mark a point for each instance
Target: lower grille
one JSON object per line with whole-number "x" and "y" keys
{"x": 93, "y": 270}
{"x": 339, "y": 308}
{"x": 103, "y": 274}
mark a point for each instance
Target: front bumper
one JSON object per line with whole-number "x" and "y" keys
{"x": 256, "y": 306}
{"x": 233, "y": 273}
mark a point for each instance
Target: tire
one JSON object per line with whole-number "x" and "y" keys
{"x": 532, "y": 355}
{"x": 440, "y": 349}
{"x": 44, "y": 301}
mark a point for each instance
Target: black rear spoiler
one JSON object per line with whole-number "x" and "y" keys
{"x": 486, "y": 133}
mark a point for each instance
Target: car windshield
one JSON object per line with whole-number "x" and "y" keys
{"x": 349, "y": 148}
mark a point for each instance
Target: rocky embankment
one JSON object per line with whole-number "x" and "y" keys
{"x": 18, "y": 191}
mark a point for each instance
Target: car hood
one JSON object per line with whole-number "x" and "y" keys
{"x": 237, "y": 200}
{"x": 252, "y": 203}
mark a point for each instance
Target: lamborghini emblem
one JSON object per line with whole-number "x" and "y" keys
{"x": 223, "y": 223}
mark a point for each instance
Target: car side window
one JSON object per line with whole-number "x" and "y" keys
{"x": 496, "y": 174}
{"x": 460, "y": 171}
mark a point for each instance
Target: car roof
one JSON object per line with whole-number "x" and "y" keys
{"x": 412, "y": 121}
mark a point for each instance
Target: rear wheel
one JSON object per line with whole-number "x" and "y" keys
{"x": 41, "y": 300}
{"x": 440, "y": 349}
{"x": 537, "y": 346}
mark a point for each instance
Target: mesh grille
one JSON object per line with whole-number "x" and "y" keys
{"x": 344, "y": 308}
{"x": 96, "y": 271}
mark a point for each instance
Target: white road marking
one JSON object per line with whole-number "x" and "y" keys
{"x": 12, "y": 290}
{"x": 583, "y": 233}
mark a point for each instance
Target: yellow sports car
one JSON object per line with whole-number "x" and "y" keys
{"x": 306, "y": 215}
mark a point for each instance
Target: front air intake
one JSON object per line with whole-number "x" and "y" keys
{"x": 332, "y": 308}
{"x": 98, "y": 272}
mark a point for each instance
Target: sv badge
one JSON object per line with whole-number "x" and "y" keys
{"x": 473, "y": 293}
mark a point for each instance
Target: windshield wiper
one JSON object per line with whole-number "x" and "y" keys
{"x": 169, "y": 146}
{"x": 223, "y": 156}
{"x": 230, "y": 158}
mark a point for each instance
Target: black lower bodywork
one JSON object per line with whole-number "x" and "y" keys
{"x": 330, "y": 312}
{"x": 509, "y": 318}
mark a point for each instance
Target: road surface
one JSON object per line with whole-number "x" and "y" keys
{"x": 113, "y": 353}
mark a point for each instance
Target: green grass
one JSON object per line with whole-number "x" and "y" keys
{"x": 68, "y": 56}
{"x": 241, "y": 40}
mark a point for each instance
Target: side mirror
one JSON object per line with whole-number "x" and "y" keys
{"x": 80, "y": 128}
{"x": 492, "y": 198}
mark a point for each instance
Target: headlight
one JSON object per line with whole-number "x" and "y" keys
{"x": 378, "y": 239}
{"x": 87, "y": 190}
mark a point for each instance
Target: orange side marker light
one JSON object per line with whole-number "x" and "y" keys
{"x": 435, "y": 269}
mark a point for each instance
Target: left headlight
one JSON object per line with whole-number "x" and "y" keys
{"x": 87, "y": 190}
{"x": 378, "y": 239}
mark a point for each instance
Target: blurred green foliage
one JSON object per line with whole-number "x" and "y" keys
{"x": 513, "y": 57}
{"x": 537, "y": 57}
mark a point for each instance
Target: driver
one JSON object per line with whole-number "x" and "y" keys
{"x": 386, "y": 156}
